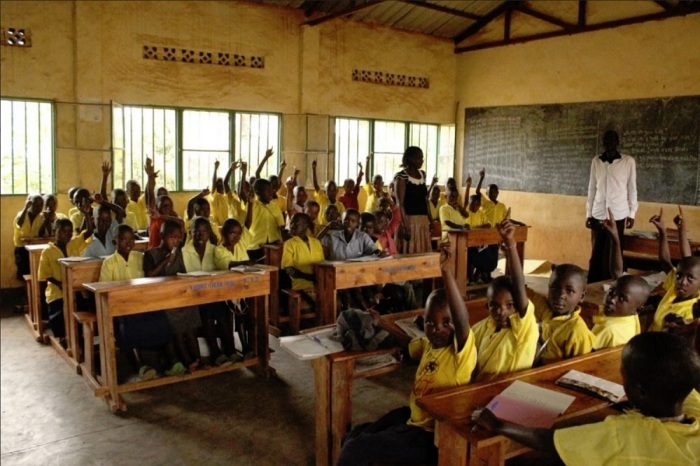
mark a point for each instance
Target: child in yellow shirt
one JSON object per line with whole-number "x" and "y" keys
{"x": 452, "y": 215}
{"x": 300, "y": 254}
{"x": 660, "y": 372}
{"x": 27, "y": 224}
{"x": 374, "y": 189}
{"x": 267, "y": 221}
{"x": 507, "y": 341}
{"x": 447, "y": 357}
{"x": 326, "y": 196}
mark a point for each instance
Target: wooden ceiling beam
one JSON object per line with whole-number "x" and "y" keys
{"x": 693, "y": 8}
{"x": 344, "y": 12}
{"x": 477, "y": 26}
{"x": 443, "y": 9}
{"x": 543, "y": 16}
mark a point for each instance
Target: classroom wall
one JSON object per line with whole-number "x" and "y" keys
{"x": 647, "y": 60}
{"x": 89, "y": 53}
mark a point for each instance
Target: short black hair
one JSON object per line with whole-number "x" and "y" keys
{"x": 62, "y": 222}
{"x": 410, "y": 151}
{"x": 437, "y": 299}
{"x": 123, "y": 228}
{"x": 199, "y": 203}
{"x": 367, "y": 217}
{"x": 570, "y": 269}
{"x": 199, "y": 220}
{"x": 354, "y": 212}
{"x": 380, "y": 214}
{"x": 689, "y": 262}
{"x": 502, "y": 282}
{"x": 634, "y": 281}
{"x": 169, "y": 226}
{"x": 229, "y": 225}
{"x": 663, "y": 364}
{"x": 260, "y": 184}
{"x": 301, "y": 216}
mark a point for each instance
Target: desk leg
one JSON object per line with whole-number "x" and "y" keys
{"x": 452, "y": 447}
{"x": 260, "y": 329}
{"x": 341, "y": 403}
{"x": 274, "y": 309}
{"x": 322, "y": 382}
{"x": 327, "y": 311}
{"x": 108, "y": 357}
{"x": 493, "y": 454}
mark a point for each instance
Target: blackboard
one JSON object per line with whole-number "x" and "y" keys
{"x": 549, "y": 148}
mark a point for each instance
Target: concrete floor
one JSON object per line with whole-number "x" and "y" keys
{"x": 50, "y": 416}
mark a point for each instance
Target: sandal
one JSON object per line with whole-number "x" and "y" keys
{"x": 223, "y": 360}
{"x": 177, "y": 369}
{"x": 147, "y": 373}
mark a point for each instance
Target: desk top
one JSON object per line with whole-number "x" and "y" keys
{"x": 490, "y": 235}
{"x": 37, "y": 240}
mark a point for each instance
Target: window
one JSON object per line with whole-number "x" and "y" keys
{"x": 354, "y": 139}
{"x": 27, "y": 145}
{"x": 200, "y": 137}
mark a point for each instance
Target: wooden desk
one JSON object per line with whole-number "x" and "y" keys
{"x": 273, "y": 258}
{"x": 332, "y": 276}
{"x": 141, "y": 244}
{"x": 34, "y": 320}
{"x": 463, "y": 239}
{"x": 37, "y": 240}
{"x": 333, "y": 378}
{"x": 452, "y": 409}
{"x": 114, "y": 299}
{"x": 73, "y": 276}
{"x": 640, "y": 252}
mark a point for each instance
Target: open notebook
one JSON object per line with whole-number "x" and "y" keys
{"x": 529, "y": 405}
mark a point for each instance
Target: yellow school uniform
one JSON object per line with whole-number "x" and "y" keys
{"x": 223, "y": 257}
{"x": 192, "y": 261}
{"x": 614, "y": 331}
{"x": 512, "y": 349}
{"x": 27, "y": 229}
{"x": 265, "y": 227}
{"x": 281, "y": 202}
{"x": 496, "y": 213}
{"x": 50, "y": 268}
{"x": 633, "y": 439}
{"x": 449, "y": 214}
{"x": 236, "y": 208}
{"x": 667, "y": 306}
{"x": 115, "y": 268}
{"x": 372, "y": 202}
{"x": 130, "y": 219}
{"x": 477, "y": 219}
{"x": 77, "y": 220}
{"x": 302, "y": 256}
{"x": 324, "y": 202}
{"x": 72, "y": 211}
{"x": 219, "y": 207}
{"x": 438, "y": 368}
{"x": 435, "y": 209}
{"x": 140, "y": 210}
{"x": 568, "y": 336}
{"x": 443, "y": 198}
{"x": 215, "y": 228}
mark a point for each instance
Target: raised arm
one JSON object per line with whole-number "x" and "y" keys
{"x": 23, "y": 215}
{"x": 367, "y": 181}
{"x": 118, "y": 211}
{"x": 616, "y": 264}
{"x": 106, "y": 170}
{"x": 268, "y": 154}
{"x": 664, "y": 253}
{"x": 290, "y": 196}
{"x": 358, "y": 181}
{"x": 214, "y": 176}
{"x": 466, "y": 192}
{"x": 314, "y": 164}
{"x": 283, "y": 165}
{"x": 507, "y": 232}
{"x": 227, "y": 178}
{"x": 458, "y": 309}
{"x": 190, "y": 203}
{"x": 249, "y": 209}
{"x": 482, "y": 174}
{"x": 244, "y": 173}
{"x": 432, "y": 185}
{"x": 150, "y": 184}
{"x": 679, "y": 220}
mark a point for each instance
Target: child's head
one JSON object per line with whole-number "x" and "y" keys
{"x": 332, "y": 213}
{"x": 245, "y": 189}
{"x": 263, "y": 189}
{"x": 435, "y": 194}
{"x": 63, "y": 231}
{"x": 170, "y": 234}
{"x": 201, "y": 207}
{"x": 384, "y": 205}
{"x": 81, "y": 196}
{"x": 493, "y": 192}
{"x": 201, "y": 231}
{"x": 567, "y": 287}
{"x": 312, "y": 209}
{"x": 351, "y": 219}
{"x": 37, "y": 203}
{"x": 412, "y": 157}
{"x": 377, "y": 183}
{"x": 381, "y": 221}
{"x": 331, "y": 190}
{"x": 499, "y": 299}
{"x": 274, "y": 182}
{"x": 367, "y": 222}
{"x": 451, "y": 183}
{"x": 124, "y": 240}
{"x": 219, "y": 185}
{"x": 299, "y": 224}
{"x": 119, "y": 197}
{"x": 300, "y": 195}
{"x": 164, "y": 205}
{"x": 71, "y": 193}
{"x": 474, "y": 203}
{"x": 659, "y": 370}
{"x": 439, "y": 328}
{"x": 626, "y": 296}
{"x": 103, "y": 219}
{"x": 50, "y": 202}
{"x": 348, "y": 185}
{"x": 162, "y": 191}
{"x": 688, "y": 277}
{"x": 453, "y": 197}
{"x": 231, "y": 232}
{"x": 134, "y": 189}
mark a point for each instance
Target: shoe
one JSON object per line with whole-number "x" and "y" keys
{"x": 177, "y": 369}
{"x": 147, "y": 373}
{"x": 235, "y": 357}
{"x": 223, "y": 360}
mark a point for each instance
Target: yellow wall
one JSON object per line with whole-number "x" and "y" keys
{"x": 641, "y": 61}
{"x": 90, "y": 52}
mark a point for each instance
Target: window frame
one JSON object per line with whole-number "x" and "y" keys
{"x": 52, "y": 156}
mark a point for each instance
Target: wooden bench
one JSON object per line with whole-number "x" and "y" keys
{"x": 459, "y": 444}
{"x": 123, "y": 298}
{"x": 33, "y": 317}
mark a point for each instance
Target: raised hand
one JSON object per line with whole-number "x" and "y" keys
{"x": 216, "y": 165}
{"x": 244, "y": 166}
{"x": 296, "y": 172}
{"x": 445, "y": 255}
{"x": 609, "y": 224}
{"x": 678, "y": 219}
{"x": 658, "y": 220}
{"x": 314, "y": 164}
{"x": 482, "y": 173}
{"x": 268, "y": 153}
{"x": 435, "y": 179}
{"x": 235, "y": 164}
{"x": 507, "y": 231}
{"x": 98, "y": 198}
{"x": 106, "y": 168}
{"x": 204, "y": 192}
{"x": 469, "y": 180}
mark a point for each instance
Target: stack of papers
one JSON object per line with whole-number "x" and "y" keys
{"x": 199, "y": 273}
{"x": 311, "y": 345}
{"x": 249, "y": 269}
{"x": 76, "y": 259}
{"x": 592, "y": 385}
{"x": 529, "y": 405}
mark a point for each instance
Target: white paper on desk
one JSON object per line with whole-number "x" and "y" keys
{"x": 248, "y": 269}
{"x": 311, "y": 345}
{"x": 374, "y": 362}
{"x": 199, "y": 273}
{"x": 655, "y": 279}
{"x": 410, "y": 327}
{"x": 76, "y": 259}
{"x": 369, "y": 258}
{"x": 529, "y": 405}
{"x": 576, "y": 380}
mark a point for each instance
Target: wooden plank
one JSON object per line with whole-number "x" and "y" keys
{"x": 322, "y": 383}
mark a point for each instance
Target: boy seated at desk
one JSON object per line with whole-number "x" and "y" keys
{"x": 350, "y": 243}
{"x": 618, "y": 319}
{"x": 563, "y": 331}
{"x": 482, "y": 259}
{"x": 660, "y": 373}
{"x": 682, "y": 285}
{"x": 49, "y": 215}
{"x": 447, "y": 357}
{"x": 199, "y": 206}
{"x": 50, "y": 270}
{"x": 452, "y": 215}
{"x": 103, "y": 243}
{"x": 326, "y": 196}
{"x": 300, "y": 254}
{"x": 507, "y": 340}
{"x": 137, "y": 332}
{"x": 267, "y": 221}
{"x": 27, "y": 224}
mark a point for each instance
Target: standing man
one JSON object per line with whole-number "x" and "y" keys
{"x": 612, "y": 185}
